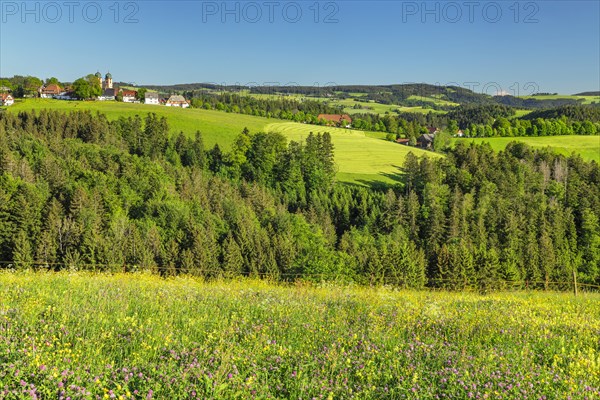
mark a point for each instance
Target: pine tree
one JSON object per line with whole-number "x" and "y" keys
{"x": 488, "y": 274}
{"x": 444, "y": 268}
{"x": 547, "y": 255}
{"x": 215, "y": 159}
{"x": 233, "y": 262}
{"x": 22, "y": 254}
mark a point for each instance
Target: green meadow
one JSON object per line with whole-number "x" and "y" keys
{"x": 587, "y": 146}
{"x": 361, "y": 156}
{"x": 216, "y": 126}
{"x": 586, "y": 99}
{"x": 369, "y": 107}
{"x": 137, "y": 336}
{"x": 434, "y": 100}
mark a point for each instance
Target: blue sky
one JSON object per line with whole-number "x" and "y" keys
{"x": 516, "y": 47}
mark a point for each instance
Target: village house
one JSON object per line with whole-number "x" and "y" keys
{"x": 151, "y": 98}
{"x": 177, "y": 101}
{"x": 129, "y": 96}
{"x": 341, "y": 120}
{"x": 108, "y": 94}
{"x": 51, "y": 91}
{"x": 432, "y": 130}
{"x": 402, "y": 141}
{"x": 6, "y": 99}
{"x": 425, "y": 141}
{"x": 67, "y": 94}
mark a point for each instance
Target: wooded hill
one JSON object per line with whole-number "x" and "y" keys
{"x": 78, "y": 191}
{"x": 400, "y": 94}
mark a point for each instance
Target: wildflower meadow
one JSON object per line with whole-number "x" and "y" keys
{"x": 137, "y": 336}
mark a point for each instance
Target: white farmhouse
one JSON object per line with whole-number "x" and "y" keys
{"x": 129, "y": 96}
{"x": 177, "y": 101}
{"x": 151, "y": 98}
{"x": 6, "y": 99}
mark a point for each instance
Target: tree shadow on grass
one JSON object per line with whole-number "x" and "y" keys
{"x": 396, "y": 178}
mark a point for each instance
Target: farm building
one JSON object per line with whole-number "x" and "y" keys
{"x": 129, "y": 96}
{"x": 336, "y": 119}
{"x": 50, "y": 91}
{"x": 402, "y": 141}
{"x": 152, "y": 98}
{"x": 426, "y": 141}
{"x": 108, "y": 94}
{"x": 177, "y": 101}
{"x": 6, "y": 99}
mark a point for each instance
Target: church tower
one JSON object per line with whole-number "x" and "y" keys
{"x": 108, "y": 82}
{"x": 99, "y": 76}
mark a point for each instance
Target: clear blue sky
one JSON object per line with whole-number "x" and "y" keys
{"x": 555, "y": 45}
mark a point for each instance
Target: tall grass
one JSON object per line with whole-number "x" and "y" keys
{"x": 80, "y": 335}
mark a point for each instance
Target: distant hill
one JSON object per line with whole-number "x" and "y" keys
{"x": 407, "y": 95}
{"x": 597, "y": 93}
{"x": 184, "y": 87}
{"x": 575, "y": 113}
{"x": 533, "y": 103}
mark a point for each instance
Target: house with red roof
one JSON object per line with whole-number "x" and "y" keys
{"x": 129, "y": 96}
{"x": 51, "y": 91}
{"x": 6, "y": 99}
{"x": 336, "y": 119}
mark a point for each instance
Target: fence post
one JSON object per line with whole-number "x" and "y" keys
{"x": 575, "y": 281}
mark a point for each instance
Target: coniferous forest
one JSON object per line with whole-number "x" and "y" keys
{"x": 80, "y": 192}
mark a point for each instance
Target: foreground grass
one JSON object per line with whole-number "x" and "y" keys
{"x": 586, "y": 146}
{"x": 138, "y": 336}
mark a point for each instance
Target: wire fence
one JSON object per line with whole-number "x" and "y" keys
{"x": 436, "y": 284}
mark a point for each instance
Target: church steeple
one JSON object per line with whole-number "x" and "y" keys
{"x": 108, "y": 81}
{"x": 99, "y": 76}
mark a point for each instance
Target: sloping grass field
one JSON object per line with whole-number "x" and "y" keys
{"x": 587, "y": 146}
{"x": 216, "y": 126}
{"x": 586, "y": 99}
{"x": 85, "y": 336}
{"x": 361, "y": 157}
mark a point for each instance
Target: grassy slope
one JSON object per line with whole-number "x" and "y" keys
{"x": 586, "y": 99}
{"x": 521, "y": 113}
{"x": 587, "y": 146}
{"x": 361, "y": 156}
{"x": 120, "y": 334}
{"x": 370, "y": 106}
{"x": 434, "y": 100}
{"x": 216, "y": 126}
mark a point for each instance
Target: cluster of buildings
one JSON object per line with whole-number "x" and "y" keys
{"x": 425, "y": 141}
{"x": 109, "y": 93}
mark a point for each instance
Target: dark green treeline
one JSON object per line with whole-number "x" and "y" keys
{"x": 79, "y": 191}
